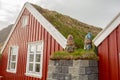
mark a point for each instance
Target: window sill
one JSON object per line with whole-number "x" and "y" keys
{"x": 33, "y": 75}
{"x": 11, "y": 71}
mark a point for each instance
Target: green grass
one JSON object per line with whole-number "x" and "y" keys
{"x": 67, "y": 25}
{"x": 77, "y": 54}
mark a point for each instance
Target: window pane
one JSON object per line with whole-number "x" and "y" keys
{"x": 32, "y": 48}
{"x": 37, "y": 67}
{"x": 13, "y": 57}
{"x": 12, "y": 65}
{"x": 31, "y": 57}
{"x": 30, "y": 67}
{"x": 38, "y": 57}
{"x": 34, "y": 57}
{"x": 14, "y": 50}
{"x": 39, "y": 47}
{"x": 25, "y": 21}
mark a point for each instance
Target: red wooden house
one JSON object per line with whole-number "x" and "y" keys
{"x": 26, "y": 52}
{"x": 108, "y": 43}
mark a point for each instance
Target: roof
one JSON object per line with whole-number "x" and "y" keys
{"x": 106, "y": 32}
{"x": 46, "y": 24}
{"x": 67, "y": 25}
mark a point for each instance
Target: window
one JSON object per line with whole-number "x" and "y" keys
{"x": 24, "y": 21}
{"x": 34, "y": 59}
{"x": 12, "y": 59}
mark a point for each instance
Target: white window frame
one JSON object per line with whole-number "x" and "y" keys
{"x": 34, "y": 73}
{"x": 10, "y": 55}
{"x": 25, "y": 20}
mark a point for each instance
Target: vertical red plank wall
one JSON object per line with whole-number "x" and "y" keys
{"x": 118, "y": 44}
{"x": 113, "y": 56}
{"x": 34, "y": 31}
{"x": 103, "y": 62}
{"x": 109, "y": 61}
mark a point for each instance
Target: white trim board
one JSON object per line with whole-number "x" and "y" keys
{"x": 46, "y": 24}
{"x": 105, "y": 32}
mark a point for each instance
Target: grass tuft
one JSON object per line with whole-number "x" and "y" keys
{"x": 78, "y": 54}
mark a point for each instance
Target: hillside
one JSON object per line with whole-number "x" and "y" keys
{"x": 67, "y": 25}
{"x": 4, "y": 33}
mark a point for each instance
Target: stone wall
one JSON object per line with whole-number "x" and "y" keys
{"x": 73, "y": 70}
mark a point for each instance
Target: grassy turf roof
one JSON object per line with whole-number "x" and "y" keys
{"x": 67, "y": 25}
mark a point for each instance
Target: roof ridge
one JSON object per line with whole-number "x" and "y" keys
{"x": 107, "y": 30}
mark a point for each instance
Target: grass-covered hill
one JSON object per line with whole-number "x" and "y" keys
{"x": 67, "y": 25}
{"x": 4, "y": 34}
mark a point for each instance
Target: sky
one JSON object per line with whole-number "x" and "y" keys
{"x": 94, "y": 12}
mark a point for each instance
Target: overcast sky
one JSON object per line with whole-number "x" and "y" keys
{"x": 94, "y": 12}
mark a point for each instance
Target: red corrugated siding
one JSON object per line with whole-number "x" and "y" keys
{"x": 118, "y": 41}
{"x": 113, "y": 55}
{"x": 103, "y": 54}
{"x": 21, "y": 36}
{"x": 109, "y": 63}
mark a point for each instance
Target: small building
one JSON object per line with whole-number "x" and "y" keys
{"x": 33, "y": 38}
{"x": 108, "y": 43}
{"x": 27, "y": 50}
